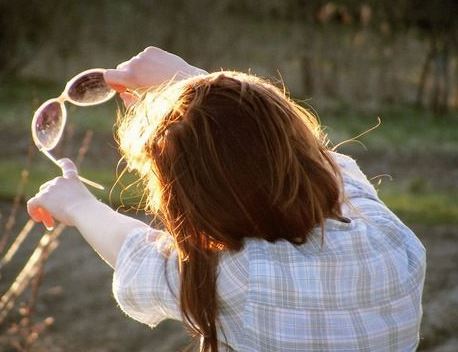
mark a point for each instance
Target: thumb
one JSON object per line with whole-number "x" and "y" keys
{"x": 129, "y": 99}
{"x": 117, "y": 79}
{"x": 46, "y": 218}
{"x": 68, "y": 167}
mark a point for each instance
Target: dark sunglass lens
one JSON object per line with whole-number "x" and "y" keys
{"x": 48, "y": 125}
{"x": 90, "y": 89}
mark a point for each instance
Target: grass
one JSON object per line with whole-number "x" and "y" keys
{"x": 429, "y": 208}
{"x": 426, "y": 207}
{"x": 43, "y": 170}
{"x": 39, "y": 173}
{"x": 403, "y": 129}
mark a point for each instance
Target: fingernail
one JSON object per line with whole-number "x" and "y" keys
{"x": 46, "y": 219}
{"x": 117, "y": 87}
{"x": 35, "y": 214}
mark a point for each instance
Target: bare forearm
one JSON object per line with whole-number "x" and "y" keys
{"x": 103, "y": 228}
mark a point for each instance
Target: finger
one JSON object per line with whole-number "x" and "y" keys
{"x": 69, "y": 169}
{"x": 33, "y": 211}
{"x": 117, "y": 78}
{"x": 46, "y": 218}
{"x": 35, "y": 214}
{"x": 118, "y": 87}
{"x": 156, "y": 51}
{"x": 128, "y": 99}
{"x": 150, "y": 49}
{"x": 123, "y": 64}
{"x": 45, "y": 185}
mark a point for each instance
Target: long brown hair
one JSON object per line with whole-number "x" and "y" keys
{"x": 227, "y": 156}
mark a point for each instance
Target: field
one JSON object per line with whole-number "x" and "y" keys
{"x": 412, "y": 157}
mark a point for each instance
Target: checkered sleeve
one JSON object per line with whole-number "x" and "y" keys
{"x": 361, "y": 199}
{"x": 356, "y": 184}
{"x": 146, "y": 279}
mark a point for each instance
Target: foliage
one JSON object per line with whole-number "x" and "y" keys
{"x": 57, "y": 32}
{"x": 21, "y": 32}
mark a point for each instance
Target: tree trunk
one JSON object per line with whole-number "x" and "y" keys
{"x": 446, "y": 79}
{"x": 307, "y": 74}
{"x": 437, "y": 81}
{"x": 425, "y": 72}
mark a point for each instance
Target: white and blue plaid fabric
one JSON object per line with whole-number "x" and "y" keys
{"x": 357, "y": 290}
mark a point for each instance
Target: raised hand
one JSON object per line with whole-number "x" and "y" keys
{"x": 150, "y": 68}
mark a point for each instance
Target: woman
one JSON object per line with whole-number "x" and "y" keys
{"x": 272, "y": 241}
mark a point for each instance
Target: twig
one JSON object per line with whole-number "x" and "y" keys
{"x": 31, "y": 304}
{"x": 84, "y": 147}
{"x": 45, "y": 247}
{"x": 33, "y": 269}
{"x": 17, "y": 243}
{"x": 12, "y": 217}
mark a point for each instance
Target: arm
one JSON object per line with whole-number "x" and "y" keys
{"x": 359, "y": 195}
{"x": 104, "y": 229}
{"x": 146, "y": 279}
{"x": 356, "y": 185}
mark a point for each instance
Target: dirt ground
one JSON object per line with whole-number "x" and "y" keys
{"x": 76, "y": 289}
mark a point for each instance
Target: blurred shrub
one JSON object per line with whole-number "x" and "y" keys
{"x": 359, "y": 51}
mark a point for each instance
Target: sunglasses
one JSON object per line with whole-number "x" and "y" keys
{"x": 85, "y": 89}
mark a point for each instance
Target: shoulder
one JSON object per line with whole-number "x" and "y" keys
{"x": 379, "y": 256}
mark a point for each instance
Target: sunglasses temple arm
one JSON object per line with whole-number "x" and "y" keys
{"x": 91, "y": 183}
{"x": 81, "y": 178}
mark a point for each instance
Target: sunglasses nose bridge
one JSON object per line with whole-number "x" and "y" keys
{"x": 61, "y": 99}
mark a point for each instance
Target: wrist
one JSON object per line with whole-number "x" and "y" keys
{"x": 78, "y": 211}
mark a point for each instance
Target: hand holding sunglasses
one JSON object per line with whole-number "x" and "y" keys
{"x": 85, "y": 89}
{"x": 151, "y": 68}
{"x": 60, "y": 198}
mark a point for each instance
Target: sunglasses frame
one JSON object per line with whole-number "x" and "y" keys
{"x": 61, "y": 99}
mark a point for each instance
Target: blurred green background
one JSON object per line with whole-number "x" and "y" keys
{"x": 352, "y": 61}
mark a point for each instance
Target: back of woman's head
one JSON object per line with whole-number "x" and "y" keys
{"x": 228, "y": 156}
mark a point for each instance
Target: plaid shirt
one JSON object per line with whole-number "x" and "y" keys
{"x": 359, "y": 290}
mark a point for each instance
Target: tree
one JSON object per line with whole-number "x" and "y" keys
{"x": 23, "y": 25}
{"x": 437, "y": 23}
